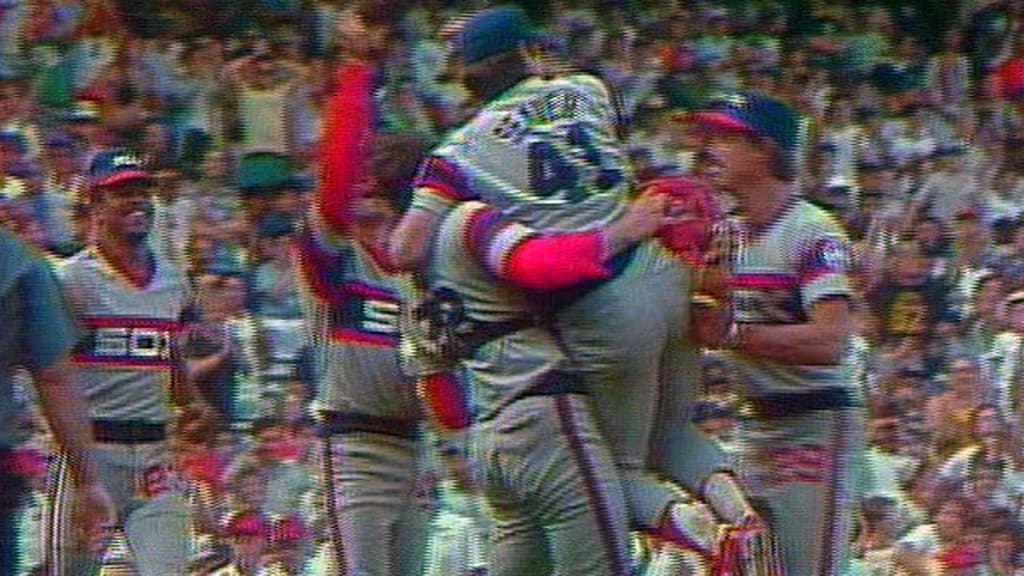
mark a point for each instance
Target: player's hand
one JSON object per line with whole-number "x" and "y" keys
{"x": 354, "y": 36}
{"x": 643, "y": 218}
{"x": 201, "y": 412}
{"x": 752, "y": 521}
{"x": 94, "y": 515}
{"x": 709, "y": 326}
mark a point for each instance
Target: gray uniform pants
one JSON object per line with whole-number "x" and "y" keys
{"x": 151, "y": 508}
{"x": 553, "y": 489}
{"x": 803, "y": 468}
{"x": 374, "y": 520}
{"x": 628, "y": 339}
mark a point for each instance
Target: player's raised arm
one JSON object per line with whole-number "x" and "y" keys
{"x": 346, "y": 142}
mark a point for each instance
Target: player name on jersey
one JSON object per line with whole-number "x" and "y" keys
{"x": 562, "y": 104}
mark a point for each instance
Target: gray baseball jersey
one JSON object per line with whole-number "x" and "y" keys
{"x": 801, "y": 450}
{"x": 124, "y": 361}
{"x": 777, "y": 277}
{"x": 352, "y": 309}
{"x": 124, "y": 358}
{"x": 371, "y": 453}
{"x": 546, "y": 471}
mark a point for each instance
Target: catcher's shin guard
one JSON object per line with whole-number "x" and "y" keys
{"x": 747, "y": 551}
{"x": 690, "y": 525}
{"x": 725, "y": 496}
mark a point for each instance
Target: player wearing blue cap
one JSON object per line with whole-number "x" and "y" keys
{"x": 129, "y": 301}
{"x": 785, "y": 326}
{"x": 544, "y": 152}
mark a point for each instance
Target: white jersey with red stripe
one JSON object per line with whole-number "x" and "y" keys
{"x": 352, "y": 310}
{"x": 124, "y": 358}
{"x": 779, "y": 273}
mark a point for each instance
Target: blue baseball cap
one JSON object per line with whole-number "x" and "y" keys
{"x": 494, "y": 31}
{"x": 116, "y": 167}
{"x": 755, "y": 113}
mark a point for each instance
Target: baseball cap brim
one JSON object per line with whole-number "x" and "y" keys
{"x": 719, "y": 121}
{"x": 124, "y": 178}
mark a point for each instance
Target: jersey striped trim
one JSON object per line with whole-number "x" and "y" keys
{"x": 764, "y": 281}
{"x": 445, "y": 178}
{"x": 432, "y": 201}
{"x": 131, "y": 322}
{"x": 121, "y": 364}
{"x": 353, "y": 336}
{"x": 369, "y": 291}
{"x": 492, "y": 239}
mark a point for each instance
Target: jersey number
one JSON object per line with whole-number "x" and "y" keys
{"x": 553, "y": 170}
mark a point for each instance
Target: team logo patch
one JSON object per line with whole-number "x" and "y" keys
{"x": 828, "y": 255}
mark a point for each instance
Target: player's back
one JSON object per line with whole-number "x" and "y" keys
{"x": 546, "y": 154}
{"x": 124, "y": 357}
{"x": 504, "y": 369}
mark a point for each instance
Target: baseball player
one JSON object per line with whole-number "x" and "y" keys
{"x": 546, "y": 472}
{"x": 369, "y": 410}
{"x": 39, "y": 334}
{"x": 785, "y": 327}
{"x": 129, "y": 301}
{"x": 543, "y": 151}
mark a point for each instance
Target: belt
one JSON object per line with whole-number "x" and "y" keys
{"x": 345, "y": 422}
{"x": 555, "y": 383}
{"x": 798, "y": 403}
{"x": 128, "y": 431}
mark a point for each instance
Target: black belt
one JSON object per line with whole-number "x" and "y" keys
{"x": 128, "y": 431}
{"x": 345, "y": 422}
{"x": 555, "y": 383}
{"x": 798, "y": 403}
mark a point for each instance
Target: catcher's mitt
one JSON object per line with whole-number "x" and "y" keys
{"x": 694, "y": 209}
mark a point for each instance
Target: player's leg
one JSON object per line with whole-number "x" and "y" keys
{"x": 679, "y": 450}
{"x": 803, "y": 468}
{"x": 11, "y": 498}
{"x": 577, "y": 493}
{"x": 849, "y": 441}
{"x": 63, "y": 551}
{"x": 368, "y": 489}
{"x": 616, "y": 336}
{"x": 413, "y": 526}
{"x": 519, "y": 547}
{"x": 158, "y": 525}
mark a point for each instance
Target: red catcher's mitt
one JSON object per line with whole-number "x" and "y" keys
{"x": 695, "y": 209}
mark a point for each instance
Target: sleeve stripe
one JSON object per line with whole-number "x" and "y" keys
{"x": 484, "y": 225}
{"x": 440, "y": 174}
{"x": 502, "y": 245}
{"x": 432, "y": 200}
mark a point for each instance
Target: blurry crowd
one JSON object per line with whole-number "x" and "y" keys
{"x": 914, "y": 139}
